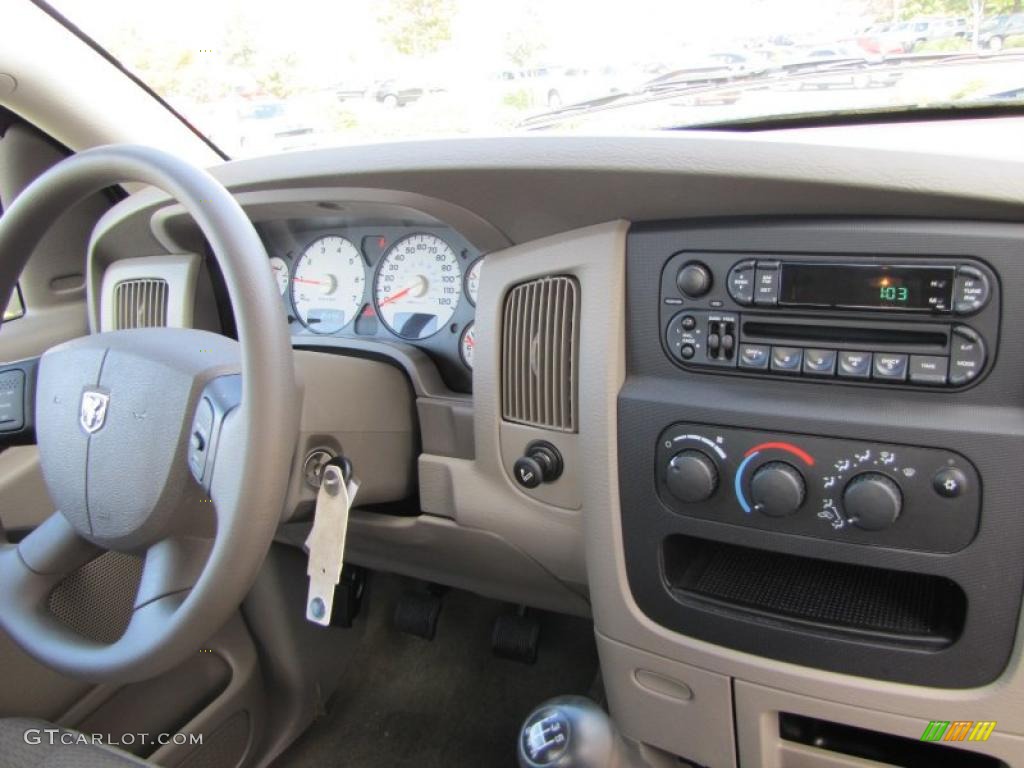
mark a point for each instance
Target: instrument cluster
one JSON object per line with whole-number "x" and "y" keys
{"x": 414, "y": 284}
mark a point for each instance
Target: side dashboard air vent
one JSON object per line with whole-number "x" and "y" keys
{"x": 539, "y": 353}
{"x": 140, "y": 303}
{"x": 149, "y": 291}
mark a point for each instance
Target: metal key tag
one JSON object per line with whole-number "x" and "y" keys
{"x": 326, "y": 542}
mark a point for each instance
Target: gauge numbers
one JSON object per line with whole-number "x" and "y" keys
{"x": 467, "y": 345}
{"x": 418, "y": 286}
{"x": 473, "y": 280}
{"x": 279, "y": 269}
{"x": 328, "y": 285}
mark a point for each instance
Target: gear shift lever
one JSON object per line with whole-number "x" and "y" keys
{"x": 569, "y": 732}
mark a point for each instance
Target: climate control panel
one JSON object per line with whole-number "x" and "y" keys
{"x": 901, "y": 496}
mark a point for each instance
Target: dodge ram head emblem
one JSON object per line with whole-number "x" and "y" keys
{"x": 94, "y": 410}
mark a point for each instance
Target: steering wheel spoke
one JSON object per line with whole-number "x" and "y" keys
{"x": 219, "y": 399}
{"x": 172, "y": 567}
{"x": 50, "y": 552}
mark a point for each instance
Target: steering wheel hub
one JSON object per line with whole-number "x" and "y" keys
{"x": 113, "y": 418}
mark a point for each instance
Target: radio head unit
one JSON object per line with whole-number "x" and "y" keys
{"x": 871, "y": 320}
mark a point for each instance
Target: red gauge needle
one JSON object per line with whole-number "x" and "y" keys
{"x": 308, "y": 282}
{"x": 470, "y": 342}
{"x": 395, "y": 296}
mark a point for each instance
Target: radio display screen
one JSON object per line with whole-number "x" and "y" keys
{"x": 867, "y": 286}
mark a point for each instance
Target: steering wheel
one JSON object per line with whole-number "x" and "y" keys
{"x": 173, "y": 444}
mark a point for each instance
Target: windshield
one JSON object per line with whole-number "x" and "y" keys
{"x": 258, "y": 78}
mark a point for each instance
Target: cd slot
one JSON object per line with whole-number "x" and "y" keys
{"x": 847, "y": 335}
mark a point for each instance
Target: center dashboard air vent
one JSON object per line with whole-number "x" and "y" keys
{"x": 539, "y": 353}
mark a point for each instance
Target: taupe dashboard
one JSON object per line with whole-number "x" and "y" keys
{"x": 610, "y": 215}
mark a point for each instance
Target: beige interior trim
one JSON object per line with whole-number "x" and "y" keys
{"x": 346, "y": 203}
{"x": 24, "y": 500}
{"x": 362, "y": 410}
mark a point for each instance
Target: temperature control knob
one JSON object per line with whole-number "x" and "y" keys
{"x": 692, "y": 476}
{"x": 872, "y": 501}
{"x": 777, "y": 489}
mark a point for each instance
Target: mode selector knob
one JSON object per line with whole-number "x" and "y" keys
{"x": 777, "y": 489}
{"x": 692, "y": 476}
{"x": 872, "y": 501}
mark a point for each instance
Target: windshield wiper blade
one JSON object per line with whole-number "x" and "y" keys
{"x": 893, "y": 113}
{"x": 578, "y": 106}
{"x": 784, "y": 74}
{"x": 667, "y": 89}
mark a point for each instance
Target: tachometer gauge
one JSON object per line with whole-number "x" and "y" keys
{"x": 328, "y": 284}
{"x": 418, "y": 286}
{"x": 473, "y": 280}
{"x": 279, "y": 268}
{"x": 467, "y": 345}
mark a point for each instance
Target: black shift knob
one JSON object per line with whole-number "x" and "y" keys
{"x": 568, "y": 732}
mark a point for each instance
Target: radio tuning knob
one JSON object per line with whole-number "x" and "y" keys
{"x": 692, "y": 476}
{"x": 872, "y": 501}
{"x": 694, "y": 280}
{"x": 777, "y": 489}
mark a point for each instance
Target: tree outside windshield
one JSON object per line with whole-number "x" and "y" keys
{"x": 259, "y": 78}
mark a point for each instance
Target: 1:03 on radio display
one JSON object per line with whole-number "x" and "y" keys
{"x": 867, "y": 286}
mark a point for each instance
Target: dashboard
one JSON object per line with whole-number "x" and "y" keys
{"x": 394, "y": 283}
{"x": 790, "y": 484}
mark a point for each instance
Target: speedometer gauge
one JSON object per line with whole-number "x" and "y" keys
{"x": 328, "y": 284}
{"x": 418, "y": 286}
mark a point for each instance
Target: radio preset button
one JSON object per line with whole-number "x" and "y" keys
{"x": 819, "y": 362}
{"x": 740, "y": 282}
{"x": 766, "y": 283}
{"x": 855, "y": 365}
{"x": 928, "y": 369}
{"x": 967, "y": 355}
{"x": 754, "y": 356}
{"x": 786, "y": 359}
{"x": 890, "y": 367}
{"x": 971, "y": 290}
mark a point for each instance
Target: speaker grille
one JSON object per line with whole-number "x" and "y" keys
{"x": 96, "y": 600}
{"x": 539, "y": 355}
{"x": 140, "y": 303}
